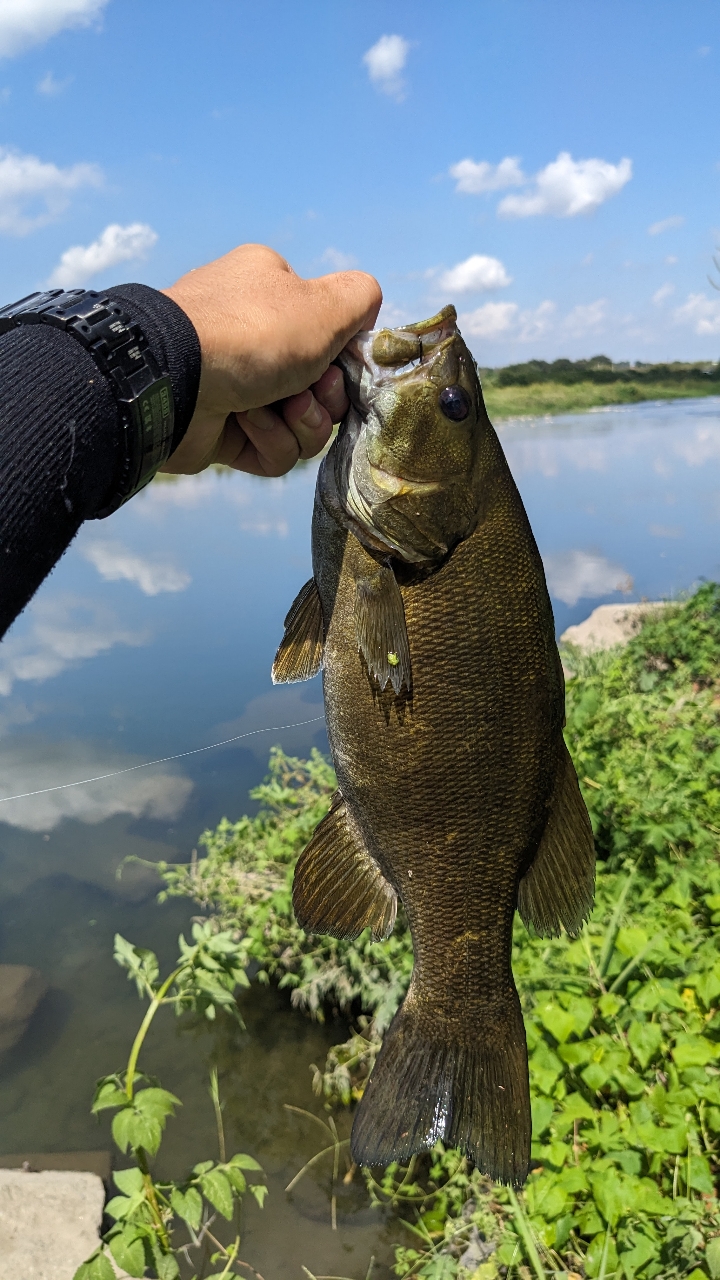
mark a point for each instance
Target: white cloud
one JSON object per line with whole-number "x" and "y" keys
{"x": 31, "y": 766}
{"x": 586, "y": 317}
{"x": 473, "y": 177}
{"x": 24, "y": 23}
{"x": 662, "y": 293}
{"x": 701, "y": 312}
{"x": 567, "y": 187}
{"x": 63, "y": 631}
{"x": 577, "y": 575}
{"x": 671, "y": 260}
{"x": 474, "y": 274}
{"x": 116, "y": 244}
{"x": 114, "y": 562}
{"x": 33, "y": 191}
{"x": 496, "y": 318}
{"x": 490, "y": 320}
{"x": 52, "y": 87}
{"x": 338, "y": 260}
{"x": 667, "y": 224}
{"x": 384, "y": 61}
{"x": 535, "y": 323}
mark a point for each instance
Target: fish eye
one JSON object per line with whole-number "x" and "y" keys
{"x": 454, "y": 403}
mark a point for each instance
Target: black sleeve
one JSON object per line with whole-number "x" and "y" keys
{"x": 60, "y": 434}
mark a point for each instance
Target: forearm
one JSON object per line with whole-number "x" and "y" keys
{"x": 61, "y": 435}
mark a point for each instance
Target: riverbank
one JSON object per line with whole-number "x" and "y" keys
{"x": 543, "y": 399}
{"x": 623, "y": 1025}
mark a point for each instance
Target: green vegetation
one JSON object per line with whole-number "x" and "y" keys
{"x": 147, "y": 1212}
{"x": 568, "y": 386}
{"x": 623, "y": 1023}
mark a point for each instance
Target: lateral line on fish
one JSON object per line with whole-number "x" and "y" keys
{"x": 102, "y": 777}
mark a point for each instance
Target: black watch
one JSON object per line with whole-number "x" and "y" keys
{"x": 120, "y": 350}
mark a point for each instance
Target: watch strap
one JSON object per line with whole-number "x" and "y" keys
{"x": 120, "y": 349}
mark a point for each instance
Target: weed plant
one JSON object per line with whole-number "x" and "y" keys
{"x": 623, "y": 1023}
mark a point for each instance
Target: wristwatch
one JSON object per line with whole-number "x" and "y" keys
{"x": 121, "y": 351}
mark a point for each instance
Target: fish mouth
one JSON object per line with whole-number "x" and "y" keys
{"x": 377, "y": 356}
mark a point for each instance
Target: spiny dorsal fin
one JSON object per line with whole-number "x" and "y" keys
{"x": 301, "y": 648}
{"x": 338, "y": 886}
{"x": 559, "y": 888}
{"x": 381, "y": 630}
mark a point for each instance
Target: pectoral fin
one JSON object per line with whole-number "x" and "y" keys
{"x": 559, "y": 888}
{"x": 380, "y": 627}
{"x": 338, "y": 886}
{"x": 301, "y": 649}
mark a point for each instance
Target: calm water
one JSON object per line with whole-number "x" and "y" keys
{"x": 154, "y": 636}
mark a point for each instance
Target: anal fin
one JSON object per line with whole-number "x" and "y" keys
{"x": 559, "y": 887}
{"x": 338, "y": 887}
{"x": 380, "y": 627}
{"x": 300, "y": 654}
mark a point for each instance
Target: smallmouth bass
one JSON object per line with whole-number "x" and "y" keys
{"x": 444, "y": 697}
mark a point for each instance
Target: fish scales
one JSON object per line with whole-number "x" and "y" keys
{"x": 447, "y": 784}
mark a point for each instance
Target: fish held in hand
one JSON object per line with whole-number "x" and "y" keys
{"x": 429, "y": 615}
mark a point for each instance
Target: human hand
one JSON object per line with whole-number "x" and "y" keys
{"x": 268, "y": 391}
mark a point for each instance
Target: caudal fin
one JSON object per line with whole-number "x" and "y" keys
{"x": 472, "y": 1094}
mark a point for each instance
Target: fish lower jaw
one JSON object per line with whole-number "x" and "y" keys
{"x": 396, "y": 486}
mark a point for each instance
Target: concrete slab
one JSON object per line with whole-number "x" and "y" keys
{"x": 610, "y": 624}
{"x": 48, "y": 1223}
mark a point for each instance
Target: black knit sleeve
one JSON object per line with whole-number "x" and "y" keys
{"x": 60, "y": 434}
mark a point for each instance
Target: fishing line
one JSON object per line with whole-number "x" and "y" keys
{"x": 275, "y": 728}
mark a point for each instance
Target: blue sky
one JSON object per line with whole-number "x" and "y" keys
{"x": 550, "y": 166}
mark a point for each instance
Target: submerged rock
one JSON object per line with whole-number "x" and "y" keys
{"x": 21, "y": 990}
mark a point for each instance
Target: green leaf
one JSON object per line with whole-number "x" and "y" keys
{"x": 128, "y": 1180}
{"x": 595, "y": 1254}
{"x": 644, "y": 1039}
{"x": 108, "y": 1095}
{"x": 712, "y": 1257}
{"x": 556, "y": 1020}
{"x": 157, "y": 1103}
{"x": 97, "y": 1268}
{"x": 128, "y": 1250}
{"x": 166, "y": 1266}
{"x": 259, "y": 1192}
{"x": 204, "y": 1166}
{"x": 610, "y": 1195}
{"x": 237, "y": 1178}
{"x": 130, "y": 1128}
{"x": 542, "y": 1109}
{"x": 217, "y": 1189}
{"x": 700, "y": 1176}
{"x": 187, "y": 1205}
{"x": 693, "y": 1051}
{"x": 642, "y": 1250}
{"x": 119, "y": 1207}
{"x": 245, "y": 1162}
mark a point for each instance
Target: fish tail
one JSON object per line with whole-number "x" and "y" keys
{"x": 470, "y": 1090}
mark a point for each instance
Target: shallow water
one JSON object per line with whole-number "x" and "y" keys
{"x": 153, "y": 637}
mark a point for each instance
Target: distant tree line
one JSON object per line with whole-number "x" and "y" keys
{"x": 599, "y": 369}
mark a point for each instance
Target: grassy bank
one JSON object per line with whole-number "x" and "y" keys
{"x": 623, "y": 1024}
{"x": 550, "y": 398}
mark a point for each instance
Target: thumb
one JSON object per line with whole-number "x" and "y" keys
{"x": 346, "y": 302}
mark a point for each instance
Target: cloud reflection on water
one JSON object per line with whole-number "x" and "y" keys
{"x": 32, "y": 764}
{"x": 63, "y": 630}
